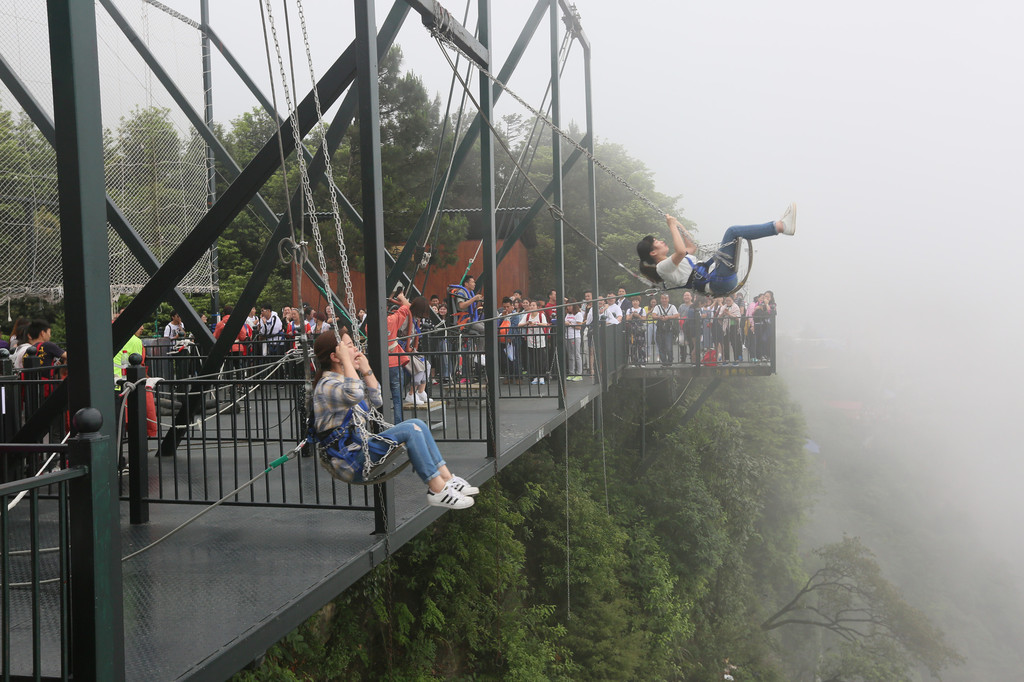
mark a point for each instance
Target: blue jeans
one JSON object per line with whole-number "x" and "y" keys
{"x": 396, "y": 381}
{"x": 723, "y": 277}
{"x": 419, "y": 444}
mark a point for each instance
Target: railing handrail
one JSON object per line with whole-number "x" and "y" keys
{"x": 13, "y": 448}
{"x": 41, "y": 481}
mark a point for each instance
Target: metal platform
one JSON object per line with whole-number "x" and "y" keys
{"x": 212, "y": 598}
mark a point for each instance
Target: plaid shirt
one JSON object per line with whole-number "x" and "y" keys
{"x": 335, "y": 394}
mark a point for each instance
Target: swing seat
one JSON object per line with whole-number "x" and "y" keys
{"x": 348, "y": 463}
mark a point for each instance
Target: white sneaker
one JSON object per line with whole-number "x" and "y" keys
{"x": 788, "y": 220}
{"x": 463, "y": 486}
{"x": 449, "y": 497}
{"x": 541, "y": 381}
{"x": 536, "y": 381}
{"x": 422, "y": 397}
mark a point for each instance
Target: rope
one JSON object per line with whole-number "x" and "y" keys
{"x": 273, "y": 465}
{"x": 20, "y": 496}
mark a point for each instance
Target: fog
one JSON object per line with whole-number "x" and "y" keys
{"x": 897, "y": 129}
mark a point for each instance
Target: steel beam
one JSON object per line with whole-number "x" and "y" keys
{"x": 490, "y": 241}
{"x": 466, "y": 146}
{"x": 98, "y": 644}
{"x": 239, "y": 193}
{"x": 556, "y": 198}
{"x": 436, "y": 17}
{"x": 337, "y": 130}
{"x": 592, "y": 195}
{"x": 372, "y": 184}
{"x": 198, "y": 121}
{"x": 211, "y": 171}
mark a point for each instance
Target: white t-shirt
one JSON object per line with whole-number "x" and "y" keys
{"x": 613, "y": 314}
{"x": 665, "y": 311}
{"x": 173, "y": 331}
{"x": 572, "y": 322}
{"x": 676, "y": 275}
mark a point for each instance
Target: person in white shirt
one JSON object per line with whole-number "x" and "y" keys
{"x": 715, "y": 277}
{"x": 612, "y": 311}
{"x": 666, "y": 317}
{"x": 272, "y": 330}
{"x": 733, "y": 340}
{"x": 536, "y": 324}
{"x": 573, "y": 343}
{"x": 174, "y": 329}
{"x": 636, "y": 332}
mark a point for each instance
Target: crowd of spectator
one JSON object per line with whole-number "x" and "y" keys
{"x": 437, "y": 341}
{"x": 701, "y": 330}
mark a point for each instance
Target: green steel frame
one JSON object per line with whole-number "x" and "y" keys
{"x": 85, "y": 208}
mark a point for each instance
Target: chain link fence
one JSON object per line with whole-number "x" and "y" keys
{"x": 155, "y": 160}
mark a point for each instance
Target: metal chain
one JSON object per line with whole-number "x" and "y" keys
{"x": 307, "y": 190}
{"x": 442, "y": 33}
{"x": 329, "y": 172}
{"x": 177, "y": 15}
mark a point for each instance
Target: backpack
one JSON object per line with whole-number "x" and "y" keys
{"x": 710, "y": 358}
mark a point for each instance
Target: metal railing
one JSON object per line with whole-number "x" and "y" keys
{"x": 35, "y": 573}
{"x": 194, "y": 441}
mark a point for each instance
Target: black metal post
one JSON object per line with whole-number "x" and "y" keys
{"x": 138, "y": 462}
{"x": 211, "y": 171}
{"x": 373, "y": 223}
{"x": 556, "y": 199}
{"x": 96, "y": 574}
{"x": 489, "y": 247}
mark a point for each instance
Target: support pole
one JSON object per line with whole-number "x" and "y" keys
{"x": 96, "y": 589}
{"x": 211, "y": 171}
{"x": 373, "y": 223}
{"x": 489, "y": 248}
{"x": 592, "y": 195}
{"x": 556, "y": 199}
{"x": 138, "y": 450}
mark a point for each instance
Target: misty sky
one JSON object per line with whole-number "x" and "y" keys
{"x": 896, "y": 126}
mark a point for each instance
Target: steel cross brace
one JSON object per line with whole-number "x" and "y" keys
{"x": 118, "y": 221}
{"x": 268, "y": 257}
{"x": 198, "y": 122}
{"x": 334, "y": 81}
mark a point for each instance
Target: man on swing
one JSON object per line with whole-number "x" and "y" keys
{"x": 716, "y": 277}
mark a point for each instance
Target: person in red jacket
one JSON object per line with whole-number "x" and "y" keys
{"x": 237, "y": 348}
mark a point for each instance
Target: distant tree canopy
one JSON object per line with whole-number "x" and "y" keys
{"x": 875, "y": 635}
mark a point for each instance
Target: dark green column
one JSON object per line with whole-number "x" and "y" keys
{"x": 489, "y": 250}
{"x": 373, "y": 226}
{"x": 96, "y": 573}
{"x": 556, "y": 199}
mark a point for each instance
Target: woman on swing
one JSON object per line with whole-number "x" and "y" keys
{"x": 343, "y": 380}
{"x": 714, "y": 278}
